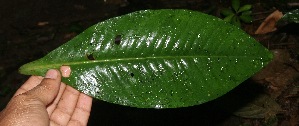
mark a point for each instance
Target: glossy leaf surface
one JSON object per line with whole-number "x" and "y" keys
{"x": 157, "y": 59}
{"x": 236, "y": 5}
{"x": 290, "y": 17}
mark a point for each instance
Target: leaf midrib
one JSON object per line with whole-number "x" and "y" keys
{"x": 131, "y": 59}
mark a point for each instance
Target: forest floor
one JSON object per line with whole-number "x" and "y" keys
{"x": 30, "y": 29}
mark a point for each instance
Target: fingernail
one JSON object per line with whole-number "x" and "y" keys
{"x": 52, "y": 74}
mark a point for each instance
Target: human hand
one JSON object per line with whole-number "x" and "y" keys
{"x": 46, "y": 101}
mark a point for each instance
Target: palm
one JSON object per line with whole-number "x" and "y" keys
{"x": 69, "y": 107}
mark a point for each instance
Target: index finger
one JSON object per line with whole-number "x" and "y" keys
{"x": 32, "y": 82}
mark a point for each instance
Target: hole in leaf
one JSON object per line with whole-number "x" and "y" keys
{"x": 132, "y": 74}
{"x": 90, "y": 57}
{"x": 117, "y": 39}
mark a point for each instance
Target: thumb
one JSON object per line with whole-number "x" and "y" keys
{"x": 29, "y": 108}
{"x": 48, "y": 89}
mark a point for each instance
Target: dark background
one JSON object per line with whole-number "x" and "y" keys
{"x": 29, "y": 29}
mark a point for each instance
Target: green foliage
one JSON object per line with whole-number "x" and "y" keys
{"x": 290, "y": 17}
{"x": 289, "y": 21}
{"x": 236, "y": 14}
{"x": 157, "y": 59}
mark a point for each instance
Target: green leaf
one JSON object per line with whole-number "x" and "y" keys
{"x": 245, "y": 8}
{"x": 229, "y": 18}
{"x": 246, "y": 18}
{"x": 157, "y": 59}
{"x": 226, "y": 12}
{"x": 236, "y": 21}
{"x": 292, "y": 16}
{"x": 247, "y": 13}
{"x": 236, "y": 5}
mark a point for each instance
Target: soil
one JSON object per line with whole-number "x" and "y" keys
{"x": 30, "y": 29}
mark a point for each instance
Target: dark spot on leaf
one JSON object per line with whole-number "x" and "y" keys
{"x": 161, "y": 73}
{"x": 132, "y": 74}
{"x": 117, "y": 39}
{"x": 90, "y": 57}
